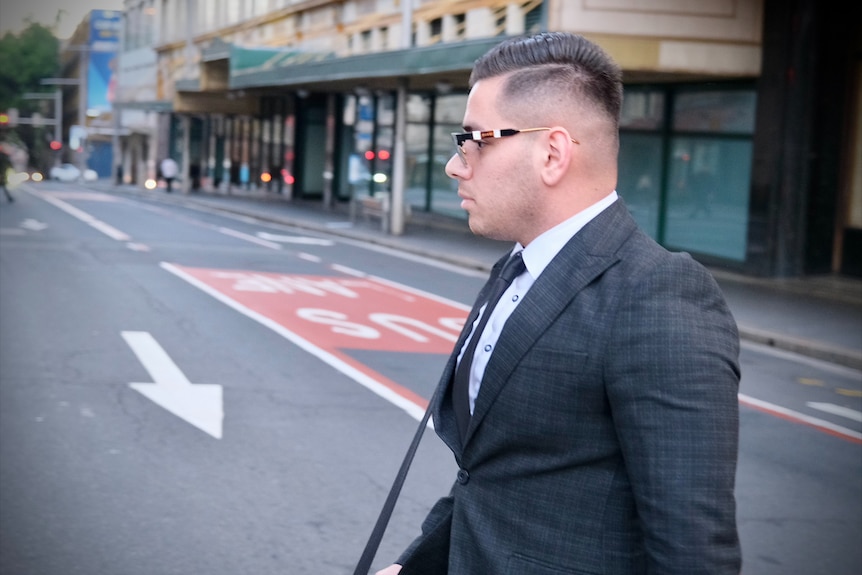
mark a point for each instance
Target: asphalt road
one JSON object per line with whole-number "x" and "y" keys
{"x": 185, "y": 392}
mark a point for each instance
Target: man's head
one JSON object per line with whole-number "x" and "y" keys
{"x": 517, "y": 187}
{"x": 554, "y": 67}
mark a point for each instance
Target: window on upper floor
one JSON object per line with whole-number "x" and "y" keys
{"x": 533, "y": 20}
{"x": 364, "y": 7}
{"x": 460, "y": 22}
{"x": 435, "y": 30}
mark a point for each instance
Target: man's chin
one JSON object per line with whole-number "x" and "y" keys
{"x": 478, "y": 229}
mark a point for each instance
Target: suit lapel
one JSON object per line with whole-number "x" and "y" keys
{"x": 586, "y": 256}
{"x": 441, "y": 407}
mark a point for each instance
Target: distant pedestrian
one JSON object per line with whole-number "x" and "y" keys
{"x": 169, "y": 171}
{"x": 5, "y": 168}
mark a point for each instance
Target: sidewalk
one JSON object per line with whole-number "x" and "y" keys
{"x": 817, "y": 316}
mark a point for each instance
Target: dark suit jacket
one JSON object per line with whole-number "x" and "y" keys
{"x": 604, "y": 437}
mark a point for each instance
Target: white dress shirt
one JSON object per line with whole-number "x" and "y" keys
{"x": 537, "y": 256}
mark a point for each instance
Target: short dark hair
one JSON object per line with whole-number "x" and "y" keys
{"x": 547, "y": 60}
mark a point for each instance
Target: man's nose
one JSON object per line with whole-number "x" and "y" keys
{"x": 455, "y": 168}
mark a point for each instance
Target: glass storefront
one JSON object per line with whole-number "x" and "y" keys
{"x": 685, "y": 166}
{"x": 685, "y": 156}
{"x": 448, "y": 113}
{"x": 370, "y": 120}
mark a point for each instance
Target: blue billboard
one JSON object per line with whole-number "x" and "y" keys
{"x": 105, "y": 26}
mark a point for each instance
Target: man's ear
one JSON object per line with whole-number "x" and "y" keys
{"x": 558, "y": 156}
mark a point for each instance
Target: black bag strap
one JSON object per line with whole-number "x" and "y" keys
{"x": 383, "y": 519}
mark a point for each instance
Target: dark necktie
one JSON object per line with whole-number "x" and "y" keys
{"x": 461, "y": 386}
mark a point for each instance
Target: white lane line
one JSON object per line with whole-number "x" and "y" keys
{"x": 294, "y": 239}
{"x": 106, "y": 229}
{"x": 348, "y": 271}
{"x": 309, "y": 257}
{"x": 836, "y": 410}
{"x": 797, "y": 417}
{"x": 250, "y": 238}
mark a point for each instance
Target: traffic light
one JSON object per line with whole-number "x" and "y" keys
{"x": 55, "y": 145}
{"x": 9, "y": 117}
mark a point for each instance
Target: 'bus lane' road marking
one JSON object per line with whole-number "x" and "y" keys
{"x": 326, "y": 315}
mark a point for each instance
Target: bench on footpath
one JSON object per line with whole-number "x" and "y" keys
{"x": 377, "y": 207}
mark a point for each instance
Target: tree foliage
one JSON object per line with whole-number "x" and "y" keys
{"x": 26, "y": 58}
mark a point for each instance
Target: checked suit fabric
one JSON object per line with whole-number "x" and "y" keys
{"x": 513, "y": 267}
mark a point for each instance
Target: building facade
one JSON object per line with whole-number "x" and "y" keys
{"x": 727, "y": 150}
{"x": 88, "y": 61}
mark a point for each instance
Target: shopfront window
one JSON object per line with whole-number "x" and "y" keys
{"x": 640, "y": 178}
{"x": 419, "y": 107}
{"x": 686, "y": 178}
{"x": 719, "y": 112}
{"x": 707, "y": 201}
{"x": 381, "y": 157}
{"x": 709, "y": 171}
{"x": 449, "y": 114}
{"x": 640, "y": 165}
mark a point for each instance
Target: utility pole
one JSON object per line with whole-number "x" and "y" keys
{"x": 399, "y": 152}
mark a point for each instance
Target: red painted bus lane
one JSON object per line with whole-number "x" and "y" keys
{"x": 329, "y": 314}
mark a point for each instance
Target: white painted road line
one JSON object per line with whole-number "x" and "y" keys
{"x": 797, "y": 417}
{"x": 836, "y": 410}
{"x": 250, "y": 238}
{"x": 109, "y": 231}
{"x": 305, "y": 240}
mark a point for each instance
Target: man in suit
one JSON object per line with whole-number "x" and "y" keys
{"x": 599, "y": 419}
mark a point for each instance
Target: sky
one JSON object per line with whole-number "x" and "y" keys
{"x": 15, "y": 13}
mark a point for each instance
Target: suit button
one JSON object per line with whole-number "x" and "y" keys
{"x": 463, "y": 476}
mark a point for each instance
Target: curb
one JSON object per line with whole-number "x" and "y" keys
{"x": 801, "y": 346}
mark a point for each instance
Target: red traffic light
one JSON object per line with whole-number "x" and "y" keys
{"x": 55, "y": 145}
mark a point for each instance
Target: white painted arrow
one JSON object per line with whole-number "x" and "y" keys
{"x": 294, "y": 239}
{"x": 199, "y": 404}
{"x": 35, "y": 225}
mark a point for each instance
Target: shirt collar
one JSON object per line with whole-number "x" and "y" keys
{"x": 544, "y": 248}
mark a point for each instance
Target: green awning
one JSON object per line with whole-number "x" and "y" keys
{"x": 266, "y": 67}
{"x": 249, "y": 62}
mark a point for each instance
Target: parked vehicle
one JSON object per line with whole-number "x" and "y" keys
{"x": 71, "y": 173}
{"x": 65, "y": 173}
